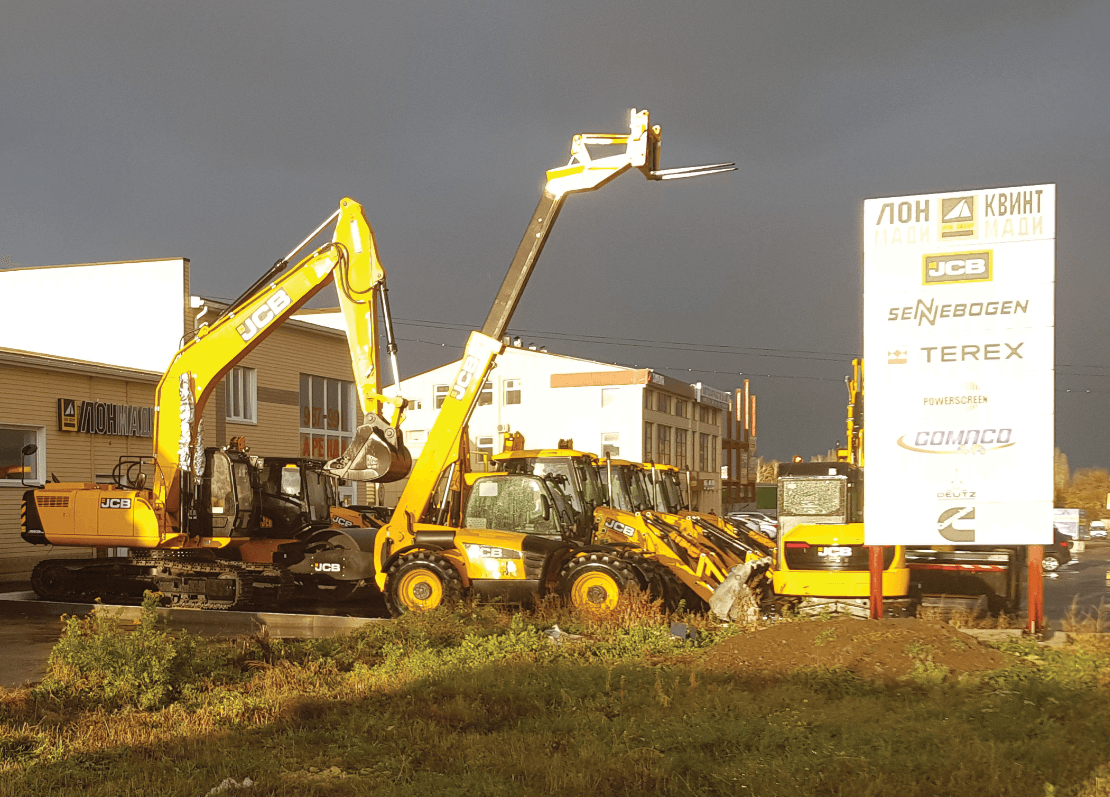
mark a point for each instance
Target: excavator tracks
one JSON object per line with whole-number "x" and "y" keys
{"x": 183, "y": 580}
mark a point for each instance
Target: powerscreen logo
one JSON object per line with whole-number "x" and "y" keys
{"x": 957, "y": 267}
{"x": 957, "y": 217}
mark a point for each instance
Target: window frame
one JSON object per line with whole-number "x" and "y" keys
{"x": 511, "y": 386}
{"x": 37, "y": 478}
{"x": 243, "y": 380}
{"x": 614, "y": 443}
{"x": 346, "y": 419}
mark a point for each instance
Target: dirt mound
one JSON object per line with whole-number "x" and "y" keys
{"x": 882, "y": 649}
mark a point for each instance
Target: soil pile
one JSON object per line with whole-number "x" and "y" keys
{"x": 876, "y": 649}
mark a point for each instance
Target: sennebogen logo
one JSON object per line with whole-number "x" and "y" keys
{"x": 957, "y": 267}
{"x": 957, "y": 217}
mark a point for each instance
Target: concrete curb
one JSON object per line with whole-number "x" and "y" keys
{"x": 198, "y": 621}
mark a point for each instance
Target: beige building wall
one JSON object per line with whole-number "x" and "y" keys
{"x": 30, "y": 387}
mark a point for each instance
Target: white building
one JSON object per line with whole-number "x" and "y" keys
{"x": 628, "y": 413}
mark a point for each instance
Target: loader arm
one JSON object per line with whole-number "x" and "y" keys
{"x": 350, "y": 260}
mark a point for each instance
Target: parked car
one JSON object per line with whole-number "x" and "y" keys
{"x": 767, "y": 526}
{"x": 1060, "y": 553}
{"x": 1098, "y": 529}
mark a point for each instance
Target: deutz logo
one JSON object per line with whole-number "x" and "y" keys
{"x": 257, "y": 321}
{"x": 958, "y": 267}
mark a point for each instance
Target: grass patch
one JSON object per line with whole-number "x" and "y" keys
{"x": 479, "y": 701}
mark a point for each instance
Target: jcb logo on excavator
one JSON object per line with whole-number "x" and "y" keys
{"x": 465, "y": 377}
{"x": 115, "y": 503}
{"x": 835, "y": 551}
{"x": 326, "y": 567}
{"x": 258, "y": 320}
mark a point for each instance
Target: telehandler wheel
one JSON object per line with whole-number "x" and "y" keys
{"x": 419, "y": 581}
{"x": 595, "y": 581}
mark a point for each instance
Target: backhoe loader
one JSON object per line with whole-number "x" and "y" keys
{"x": 195, "y": 533}
{"x": 422, "y": 565}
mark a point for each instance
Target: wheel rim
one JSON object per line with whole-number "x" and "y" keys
{"x": 1049, "y": 564}
{"x": 596, "y": 591}
{"x": 420, "y": 589}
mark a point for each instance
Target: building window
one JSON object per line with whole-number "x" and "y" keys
{"x": 512, "y": 391}
{"x": 648, "y": 431}
{"x": 14, "y": 467}
{"x": 663, "y": 454}
{"x": 439, "y": 393}
{"x": 663, "y": 403}
{"x": 241, "y": 395}
{"x": 608, "y": 396}
{"x": 485, "y": 398}
{"x": 680, "y": 408}
{"x": 680, "y": 452}
{"x": 713, "y": 453}
{"x": 610, "y": 444}
{"x": 481, "y": 453}
{"x": 327, "y": 416}
{"x": 415, "y": 404}
{"x": 649, "y": 397}
{"x": 703, "y": 451}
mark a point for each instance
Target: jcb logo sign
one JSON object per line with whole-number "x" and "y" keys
{"x": 620, "y": 528}
{"x": 835, "y": 552}
{"x": 258, "y": 320}
{"x": 466, "y": 376}
{"x": 326, "y": 567}
{"x": 115, "y": 503}
{"x": 958, "y": 267}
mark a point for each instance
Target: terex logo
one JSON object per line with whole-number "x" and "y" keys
{"x": 257, "y": 321}
{"x": 958, "y": 267}
{"x": 952, "y": 524}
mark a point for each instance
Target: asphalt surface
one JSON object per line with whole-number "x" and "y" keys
{"x": 1077, "y": 597}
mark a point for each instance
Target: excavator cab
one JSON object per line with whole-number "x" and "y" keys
{"x": 227, "y": 490}
{"x": 519, "y": 503}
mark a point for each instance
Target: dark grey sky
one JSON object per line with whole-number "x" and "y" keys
{"x": 225, "y": 132}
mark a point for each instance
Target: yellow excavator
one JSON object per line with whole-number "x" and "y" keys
{"x": 190, "y": 516}
{"x": 514, "y": 538}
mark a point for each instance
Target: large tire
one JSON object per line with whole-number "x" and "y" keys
{"x": 420, "y": 581}
{"x": 595, "y": 581}
{"x": 656, "y": 580}
{"x": 1050, "y": 564}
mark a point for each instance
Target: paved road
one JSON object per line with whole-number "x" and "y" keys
{"x": 1078, "y": 592}
{"x": 1082, "y": 585}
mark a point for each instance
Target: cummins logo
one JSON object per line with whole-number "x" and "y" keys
{"x": 958, "y": 267}
{"x": 957, "y": 441}
{"x": 953, "y": 524}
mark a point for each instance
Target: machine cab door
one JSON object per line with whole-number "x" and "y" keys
{"x": 228, "y": 501}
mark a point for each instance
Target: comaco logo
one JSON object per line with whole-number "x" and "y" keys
{"x": 958, "y": 267}
{"x": 953, "y": 526}
{"x": 258, "y": 320}
{"x": 958, "y": 441}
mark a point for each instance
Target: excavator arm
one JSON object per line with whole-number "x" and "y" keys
{"x": 350, "y": 260}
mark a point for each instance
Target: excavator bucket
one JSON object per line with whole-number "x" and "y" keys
{"x": 376, "y": 454}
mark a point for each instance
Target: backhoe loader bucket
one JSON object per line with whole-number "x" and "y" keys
{"x": 376, "y": 454}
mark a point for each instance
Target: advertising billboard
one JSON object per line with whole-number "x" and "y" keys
{"x": 958, "y": 341}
